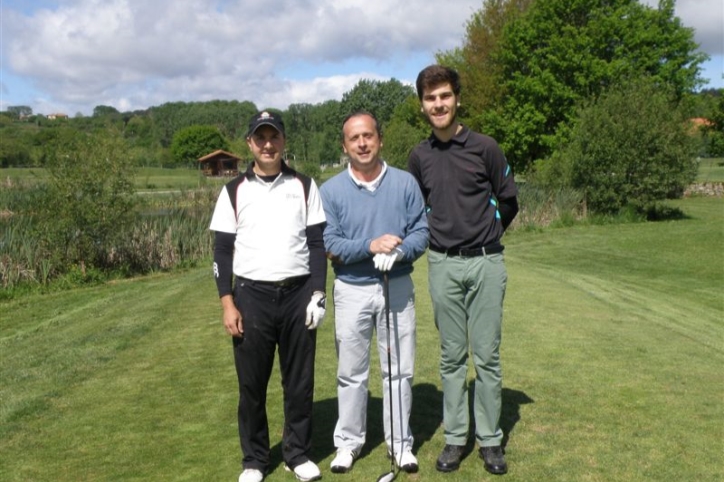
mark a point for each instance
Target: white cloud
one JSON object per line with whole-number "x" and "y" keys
{"x": 706, "y": 17}
{"x": 133, "y": 54}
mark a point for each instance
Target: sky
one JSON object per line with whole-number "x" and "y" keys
{"x": 69, "y": 56}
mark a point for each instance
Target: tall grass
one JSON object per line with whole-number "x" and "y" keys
{"x": 171, "y": 225}
{"x": 168, "y": 232}
{"x": 540, "y": 207}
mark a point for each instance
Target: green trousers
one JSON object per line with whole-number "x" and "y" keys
{"x": 467, "y": 296}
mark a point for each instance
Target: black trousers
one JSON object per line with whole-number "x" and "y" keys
{"x": 274, "y": 316}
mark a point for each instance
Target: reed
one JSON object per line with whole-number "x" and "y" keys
{"x": 541, "y": 207}
{"x": 168, "y": 232}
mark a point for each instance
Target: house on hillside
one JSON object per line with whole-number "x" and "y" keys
{"x": 698, "y": 123}
{"x": 219, "y": 163}
{"x": 57, "y": 115}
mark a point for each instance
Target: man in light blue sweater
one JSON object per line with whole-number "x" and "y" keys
{"x": 376, "y": 223}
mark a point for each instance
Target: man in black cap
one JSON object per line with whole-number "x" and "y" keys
{"x": 269, "y": 223}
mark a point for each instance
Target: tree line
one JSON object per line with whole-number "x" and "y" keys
{"x": 532, "y": 72}
{"x": 176, "y": 134}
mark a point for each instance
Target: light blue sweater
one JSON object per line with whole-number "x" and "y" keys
{"x": 356, "y": 216}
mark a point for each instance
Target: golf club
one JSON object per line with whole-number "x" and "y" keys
{"x": 389, "y": 476}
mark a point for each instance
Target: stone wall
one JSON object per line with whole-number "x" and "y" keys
{"x": 714, "y": 189}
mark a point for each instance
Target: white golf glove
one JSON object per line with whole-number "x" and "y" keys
{"x": 384, "y": 261}
{"x": 316, "y": 310}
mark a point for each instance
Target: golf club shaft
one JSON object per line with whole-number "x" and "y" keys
{"x": 389, "y": 476}
{"x": 386, "y": 294}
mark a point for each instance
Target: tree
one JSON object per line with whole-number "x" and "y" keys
{"x": 18, "y": 111}
{"x": 138, "y": 131}
{"x": 229, "y": 117}
{"x": 313, "y": 132}
{"x": 632, "y": 146}
{"x": 714, "y": 132}
{"x": 310, "y": 169}
{"x": 398, "y": 140}
{"x": 88, "y": 200}
{"x": 403, "y": 132}
{"x": 298, "y": 124}
{"x": 379, "y": 98}
{"x": 193, "y": 142}
{"x": 559, "y": 53}
{"x": 105, "y": 111}
{"x": 475, "y": 61}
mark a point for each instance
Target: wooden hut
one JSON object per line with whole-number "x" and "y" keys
{"x": 219, "y": 163}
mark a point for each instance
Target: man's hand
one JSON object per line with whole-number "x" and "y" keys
{"x": 316, "y": 310}
{"x": 385, "y": 244}
{"x": 384, "y": 262}
{"x": 232, "y": 317}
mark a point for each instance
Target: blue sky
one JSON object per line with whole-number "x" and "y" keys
{"x": 72, "y": 55}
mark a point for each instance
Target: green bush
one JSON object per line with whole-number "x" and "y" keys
{"x": 88, "y": 202}
{"x": 632, "y": 147}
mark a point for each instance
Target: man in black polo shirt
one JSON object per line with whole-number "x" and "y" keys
{"x": 471, "y": 199}
{"x": 269, "y": 223}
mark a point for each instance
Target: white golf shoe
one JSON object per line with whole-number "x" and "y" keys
{"x": 306, "y": 472}
{"x": 343, "y": 461}
{"x": 251, "y": 475}
{"x": 407, "y": 462}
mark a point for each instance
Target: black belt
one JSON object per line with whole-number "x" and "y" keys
{"x": 282, "y": 283}
{"x": 469, "y": 252}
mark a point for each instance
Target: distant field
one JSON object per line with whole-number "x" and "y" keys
{"x": 161, "y": 179}
{"x": 22, "y": 174}
{"x": 147, "y": 178}
{"x": 711, "y": 170}
{"x": 157, "y": 178}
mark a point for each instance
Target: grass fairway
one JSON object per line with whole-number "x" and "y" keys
{"x": 711, "y": 170}
{"x": 612, "y": 353}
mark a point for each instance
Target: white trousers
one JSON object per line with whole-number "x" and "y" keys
{"x": 360, "y": 310}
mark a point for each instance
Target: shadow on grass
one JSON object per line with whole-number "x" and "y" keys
{"x": 664, "y": 213}
{"x": 425, "y": 419}
{"x": 512, "y": 400}
{"x": 509, "y": 416}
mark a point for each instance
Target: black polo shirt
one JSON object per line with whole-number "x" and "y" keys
{"x": 462, "y": 181}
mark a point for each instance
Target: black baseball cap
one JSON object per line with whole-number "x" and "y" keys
{"x": 265, "y": 118}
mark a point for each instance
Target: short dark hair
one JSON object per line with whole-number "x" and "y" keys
{"x": 434, "y": 75}
{"x": 359, "y": 113}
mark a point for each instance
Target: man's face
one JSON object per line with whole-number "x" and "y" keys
{"x": 439, "y": 104}
{"x": 267, "y": 146}
{"x": 361, "y": 142}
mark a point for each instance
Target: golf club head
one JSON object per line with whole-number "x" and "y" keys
{"x": 388, "y": 477}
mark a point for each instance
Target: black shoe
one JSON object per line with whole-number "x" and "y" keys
{"x": 494, "y": 459}
{"x": 449, "y": 459}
